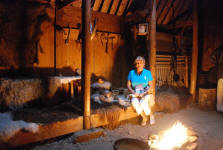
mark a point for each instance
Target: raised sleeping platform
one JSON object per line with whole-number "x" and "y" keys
{"x": 58, "y": 109}
{"x": 39, "y": 109}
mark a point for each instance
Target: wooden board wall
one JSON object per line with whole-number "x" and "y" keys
{"x": 106, "y": 55}
{"x": 46, "y": 55}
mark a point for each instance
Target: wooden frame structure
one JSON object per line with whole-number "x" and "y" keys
{"x": 164, "y": 71}
{"x": 63, "y": 127}
{"x": 89, "y": 120}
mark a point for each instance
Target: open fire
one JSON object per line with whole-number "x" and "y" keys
{"x": 176, "y": 137}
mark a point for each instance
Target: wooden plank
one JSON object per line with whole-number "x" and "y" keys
{"x": 172, "y": 13}
{"x": 186, "y": 5}
{"x": 97, "y": 5}
{"x": 180, "y": 24}
{"x": 42, "y": 1}
{"x": 88, "y": 136}
{"x": 129, "y": 4}
{"x": 180, "y": 7}
{"x": 45, "y": 132}
{"x": 77, "y": 3}
{"x": 114, "y": 7}
{"x": 122, "y": 7}
{"x": 105, "y": 6}
{"x": 64, "y": 127}
{"x": 169, "y": 63}
{"x": 72, "y": 16}
{"x": 160, "y": 9}
{"x": 101, "y": 120}
{"x": 165, "y": 11}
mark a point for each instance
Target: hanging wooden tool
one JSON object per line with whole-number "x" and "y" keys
{"x": 68, "y": 36}
{"x": 107, "y": 42}
{"x": 93, "y": 29}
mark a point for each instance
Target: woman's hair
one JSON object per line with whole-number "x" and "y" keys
{"x": 139, "y": 58}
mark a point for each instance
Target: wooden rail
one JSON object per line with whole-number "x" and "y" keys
{"x": 164, "y": 71}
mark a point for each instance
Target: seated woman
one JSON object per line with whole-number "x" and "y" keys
{"x": 140, "y": 85}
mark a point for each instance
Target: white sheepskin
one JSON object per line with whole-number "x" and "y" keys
{"x": 65, "y": 79}
{"x": 105, "y": 85}
{"x": 8, "y": 127}
{"x": 96, "y": 98}
{"x": 123, "y": 101}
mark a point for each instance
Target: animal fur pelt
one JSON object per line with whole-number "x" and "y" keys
{"x": 168, "y": 101}
{"x": 8, "y": 127}
{"x": 111, "y": 115}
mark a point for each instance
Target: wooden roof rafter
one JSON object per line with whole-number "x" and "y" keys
{"x": 185, "y": 13}
{"x": 127, "y": 7}
{"x": 97, "y": 5}
{"x": 172, "y": 12}
{"x": 160, "y": 9}
{"x": 119, "y": 3}
{"x": 110, "y": 6}
{"x": 122, "y": 7}
{"x": 101, "y": 5}
{"x": 166, "y": 11}
{"x": 63, "y": 3}
{"x": 113, "y": 7}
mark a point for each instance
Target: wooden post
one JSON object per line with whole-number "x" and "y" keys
{"x": 86, "y": 73}
{"x": 186, "y": 71}
{"x": 194, "y": 52}
{"x": 152, "y": 54}
{"x": 55, "y": 39}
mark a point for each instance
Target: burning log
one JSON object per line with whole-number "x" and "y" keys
{"x": 88, "y": 135}
{"x": 178, "y": 137}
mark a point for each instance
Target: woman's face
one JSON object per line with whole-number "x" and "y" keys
{"x": 139, "y": 65}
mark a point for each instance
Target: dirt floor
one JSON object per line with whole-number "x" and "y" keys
{"x": 207, "y": 124}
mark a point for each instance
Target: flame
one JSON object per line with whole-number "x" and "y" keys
{"x": 174, "y": 137}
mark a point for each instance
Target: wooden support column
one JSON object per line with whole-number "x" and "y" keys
{"x": 152, "y": 52}
{"x": 186, "y": 71}
{"x": 85, "y": 67}
{"x": 194, "y": 51}
{"x": 55, "y": 38}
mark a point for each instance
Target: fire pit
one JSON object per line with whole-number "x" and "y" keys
{"x": 178, "y": 137}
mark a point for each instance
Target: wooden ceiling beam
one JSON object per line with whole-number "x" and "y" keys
{"x": 71, "y": 16}
{"x": 122, "y": 6}
{"x": 114, "y": 7}
{"x": 126, "y": 7}
{"x": 63, "y": 3}
{"x": 105, "y": 6}
{"x": 140, "y": 15}
{"x": 110, "y": 6}
{"x": 179, "y": 24}
{"x": 180, "y": 16}
{"x": 160, "y": 9}
{"x": 172, "y": 13}
{"x": 166, "y": 11}
{"x": 117, "y": 8}
{"x": 97, "y": 5}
